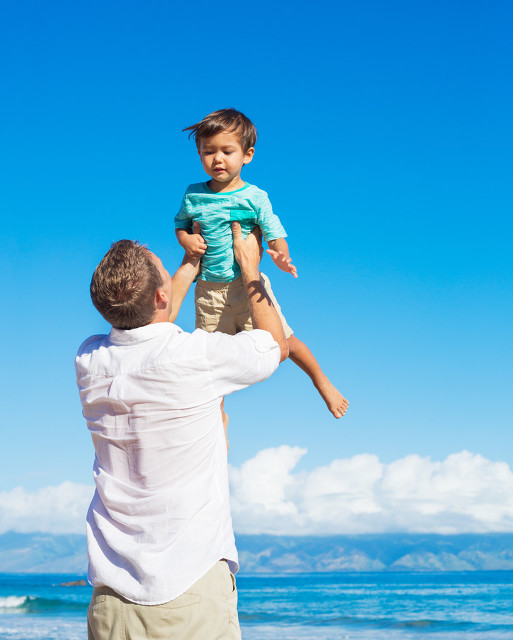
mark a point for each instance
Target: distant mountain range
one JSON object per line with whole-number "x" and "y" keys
{"x": 45, "y": 553}
{"x": 381, "y": 552}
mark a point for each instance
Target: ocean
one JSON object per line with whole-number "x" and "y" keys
{"x": 335, "y": 606}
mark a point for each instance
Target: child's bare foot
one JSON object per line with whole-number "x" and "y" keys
{"x": 301, "y": 355}
{"x": 334, "y": 400}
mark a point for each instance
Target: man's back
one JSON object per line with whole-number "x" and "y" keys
{"x": 160, "y": 517}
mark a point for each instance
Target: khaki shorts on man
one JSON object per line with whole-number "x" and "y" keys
{"x": 207, "y": 610}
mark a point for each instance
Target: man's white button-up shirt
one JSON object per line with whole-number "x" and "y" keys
{"x": 160, "y": 516}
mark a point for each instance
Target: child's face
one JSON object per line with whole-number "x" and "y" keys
{"x": 222, "y": 157}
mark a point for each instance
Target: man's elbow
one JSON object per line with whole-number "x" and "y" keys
{"x": 284, "y": 350}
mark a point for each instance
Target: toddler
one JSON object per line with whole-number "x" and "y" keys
{"x": 225, "y": 140}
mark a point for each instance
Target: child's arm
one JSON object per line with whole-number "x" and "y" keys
{"x": 192, "y": 243}
{"x": 279, "y": 252}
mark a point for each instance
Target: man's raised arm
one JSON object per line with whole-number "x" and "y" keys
{"x": 248, "y": 253}
{"x": 183, "y": 279}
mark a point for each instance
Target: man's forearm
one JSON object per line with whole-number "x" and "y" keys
{"x": 248, "y": 252}
{"x": 262, "y": 310}
{"x": 182, "y": 280}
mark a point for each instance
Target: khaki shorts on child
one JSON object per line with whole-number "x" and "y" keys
{"x": 223, "y": 306}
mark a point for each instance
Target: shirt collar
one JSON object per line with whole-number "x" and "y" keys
{"x": 141, "y": 334}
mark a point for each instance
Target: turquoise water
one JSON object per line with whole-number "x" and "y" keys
{"x": 348, "y": 606}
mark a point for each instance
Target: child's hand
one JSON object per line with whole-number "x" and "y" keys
{"x": 195, "y": 246}
{"x": 282, "y": 261}
{"x": 193, "y": 243}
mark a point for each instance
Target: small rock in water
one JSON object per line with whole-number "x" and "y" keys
{"x": 74, "y": 583}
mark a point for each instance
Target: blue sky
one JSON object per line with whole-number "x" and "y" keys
{"x": 385, "y": 144}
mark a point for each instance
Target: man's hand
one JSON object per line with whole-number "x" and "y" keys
{"x": 192, "y": 243}
{"x": 282, "y": 261}
{"x": 248, "y": 251}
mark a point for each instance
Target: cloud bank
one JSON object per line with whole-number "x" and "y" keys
{"x": 60, "y": 509}
{"x": 466, "y": 493}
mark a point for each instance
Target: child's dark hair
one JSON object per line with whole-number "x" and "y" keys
{"x": 225, "y": 120}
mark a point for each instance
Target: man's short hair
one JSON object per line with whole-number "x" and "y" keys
{"x": 124, "y": 285}
{"x": 225, "y": 120}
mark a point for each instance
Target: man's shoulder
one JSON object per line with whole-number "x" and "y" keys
{"x": 125, "y": 351}
{"x": 257, "y": 340}
{"x": 262, "y": 340}
{"x": 249, "y": 356}
{"x": 87, "y": 349}
{"x": 91, "y": 343}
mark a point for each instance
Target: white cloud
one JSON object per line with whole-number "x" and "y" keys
{"x": 60, "y": 509}
{"x": 466, "y": 493}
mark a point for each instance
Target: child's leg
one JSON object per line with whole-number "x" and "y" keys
{"x": 301, "y": 355}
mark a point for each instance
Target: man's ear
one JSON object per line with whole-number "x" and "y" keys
{"x": 248, "y": 156}
{"x": 160, "y": 299}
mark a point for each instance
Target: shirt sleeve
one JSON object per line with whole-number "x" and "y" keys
{"x": 241, "y": 360}
{"x": 183, "y": 219}
{"x": 268, "y": 221}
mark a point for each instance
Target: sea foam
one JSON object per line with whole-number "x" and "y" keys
{"x": 13, "y": 602}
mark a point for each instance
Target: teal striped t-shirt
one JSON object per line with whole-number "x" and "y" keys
{"x": 215, "y": 212}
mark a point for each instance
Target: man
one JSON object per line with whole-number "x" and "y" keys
{"x": 159, "y": 533}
